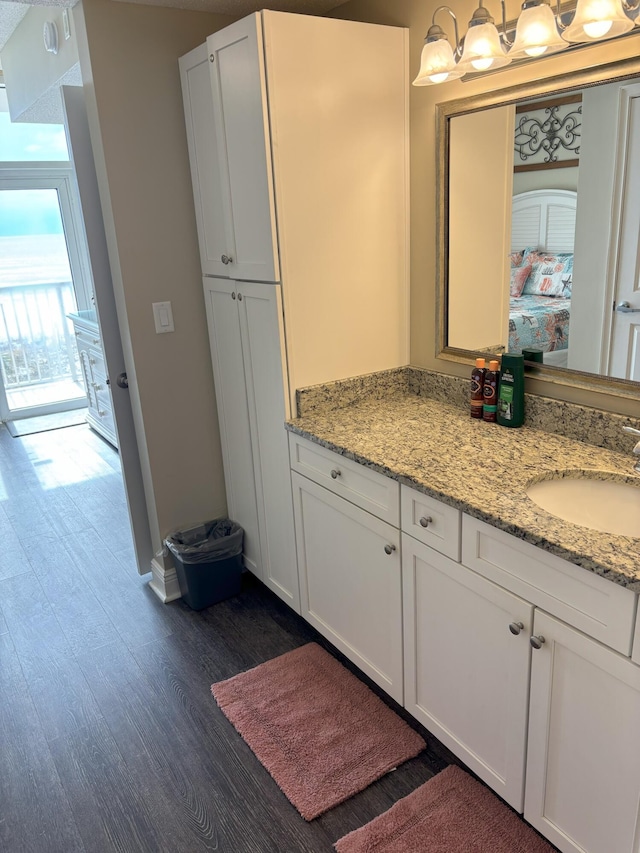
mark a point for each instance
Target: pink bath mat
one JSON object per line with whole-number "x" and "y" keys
{"x": 318, "y": 730}
{"x": 451, "y": 813}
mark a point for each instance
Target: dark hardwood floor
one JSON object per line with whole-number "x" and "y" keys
{"x": 110, "y": 739}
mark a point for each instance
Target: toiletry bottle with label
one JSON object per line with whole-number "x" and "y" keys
{"x": 477, "y": 383}
{"x": 511, "y": 391}
{"x": 490, "y": 392}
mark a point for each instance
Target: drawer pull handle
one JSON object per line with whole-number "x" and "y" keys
{"x": 335, "y": 473}
{"x": 536, "y": 642}
{"x": 425, "y": 521}
{"x": 516, "y": 627}
{"x": 389, "y": 549}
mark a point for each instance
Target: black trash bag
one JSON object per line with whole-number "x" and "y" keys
{"x": 213, "y": 540}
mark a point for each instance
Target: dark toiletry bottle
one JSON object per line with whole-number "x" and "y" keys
{"x": 511, "y": 391}
{"x": 477, "y": 383}
{"x": 490, "y": 392}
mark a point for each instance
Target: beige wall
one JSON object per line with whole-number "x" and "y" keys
{"x": 129, "y": 62}
{"x": 416, "y": 14}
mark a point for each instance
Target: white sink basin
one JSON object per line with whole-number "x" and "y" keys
{"x": 607, "y": 505}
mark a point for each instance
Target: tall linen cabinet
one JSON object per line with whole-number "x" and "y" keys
{"x": 297, "y": 129}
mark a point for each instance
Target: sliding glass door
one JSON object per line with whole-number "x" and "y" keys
{"x": 40, "y": 265}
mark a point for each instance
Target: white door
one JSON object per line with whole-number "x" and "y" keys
{"x": 244, "y": 149}
{"x": 213, "y": 239}
{"x": 221, "y": 299}
{"x": 467, "y": 658}
{"x": 79, "y": 142}
{"x": 260, "y": 308}
{"x": 350, "y": 581}
{"x": 583, "y": 765}
{"x": 625, "y": 337}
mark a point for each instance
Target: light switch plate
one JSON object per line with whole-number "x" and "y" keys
{"x": 163, "y": 316}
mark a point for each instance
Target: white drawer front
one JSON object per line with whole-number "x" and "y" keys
{"x": 600, "y": 608}
{"x": 430, "y": 521}
{"x": 365, "y": 488}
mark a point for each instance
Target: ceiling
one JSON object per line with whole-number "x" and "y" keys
{"x": 11, "y": 13}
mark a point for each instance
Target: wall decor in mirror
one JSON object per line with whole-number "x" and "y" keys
{"x": 539, "y": 226}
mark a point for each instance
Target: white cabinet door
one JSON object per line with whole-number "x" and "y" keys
{"x": 204, "y": 158}
{"x": 244, "y": 150}
{"x": 466, "y": 673}
{"x": 260, "y": 311}
{"x": 350, "y": 581}
{"x": 583, "y": 767}
{"x": 233, "y": 413}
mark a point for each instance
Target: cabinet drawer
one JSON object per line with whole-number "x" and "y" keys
{"x": 365, "y": 488}
{"x": 579, "y": 597}
{"x": 430, "y": 521}
{"x": 86, "y": 338}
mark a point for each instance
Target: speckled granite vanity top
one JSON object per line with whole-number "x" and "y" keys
{"x": 482, "y": 469}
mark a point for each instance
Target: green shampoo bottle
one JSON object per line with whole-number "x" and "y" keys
{"x": 511, "y": 391}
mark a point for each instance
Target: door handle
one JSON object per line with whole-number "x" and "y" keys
{"x": 122, "y": 381}
{"x": 625, "y": 308}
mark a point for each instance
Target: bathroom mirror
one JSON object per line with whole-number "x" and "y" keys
{"x": 538, "y": 224}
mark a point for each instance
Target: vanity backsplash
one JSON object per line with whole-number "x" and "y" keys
{"x": 581, "y": 423}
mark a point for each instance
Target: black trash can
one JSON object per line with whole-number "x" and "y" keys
{"x": 208, "y": 561}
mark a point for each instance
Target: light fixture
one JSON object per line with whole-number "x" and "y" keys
{"x": 483, "y": 49}
{"x": 438, "y": 59}
{"x": 598, "y": 19}
{"x": 537, "y": 32}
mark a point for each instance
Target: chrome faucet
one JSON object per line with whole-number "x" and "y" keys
{"x": 636, "y": 449}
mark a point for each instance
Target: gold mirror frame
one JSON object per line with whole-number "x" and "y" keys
{"x": 611, "y": 72}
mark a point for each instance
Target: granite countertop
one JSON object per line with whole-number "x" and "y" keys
{"x": 481, "y": 468}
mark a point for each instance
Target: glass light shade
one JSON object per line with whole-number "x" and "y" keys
{"x": 437, "y": 64}
{"x": 537, "y": 33}
{"x": 597, "y": 19}
{"x": 483, "y": 50}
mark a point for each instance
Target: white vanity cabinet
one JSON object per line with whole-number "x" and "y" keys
{"x": 349, "y": 559}
{"x": 94, "y": 372}
{"x": 583, "y": 765}
{"x": 224, "y": 91}
{"x": 298, "y": 146}
{"x": 466, "y": 662}
{"x": 245, "y": 322}
{"x": 546, "y": 715}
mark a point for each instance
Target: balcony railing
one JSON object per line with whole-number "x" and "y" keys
{"x": 37, "y": 344}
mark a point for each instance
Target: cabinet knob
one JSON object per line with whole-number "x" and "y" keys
{"x": 425, "y": 521}
{"x": 389, "y": 549}
{"x": 239, "y": 297}
{"x": 537, "y": 642}
{"x": 212, "y": 58}
{"x": 516, "y": 627}
{"x": 226, "y": 259}
{"x": 233, "y": 295}
{"x": 335, "y": 473}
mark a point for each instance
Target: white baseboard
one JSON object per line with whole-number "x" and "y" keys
{"x": 164, "y": 582}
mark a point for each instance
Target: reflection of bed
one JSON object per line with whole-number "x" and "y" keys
{"x": 543, "y": 221}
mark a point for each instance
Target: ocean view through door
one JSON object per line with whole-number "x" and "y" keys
{"x": 38, "y": 356}
{"x": 44, "y": 273}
